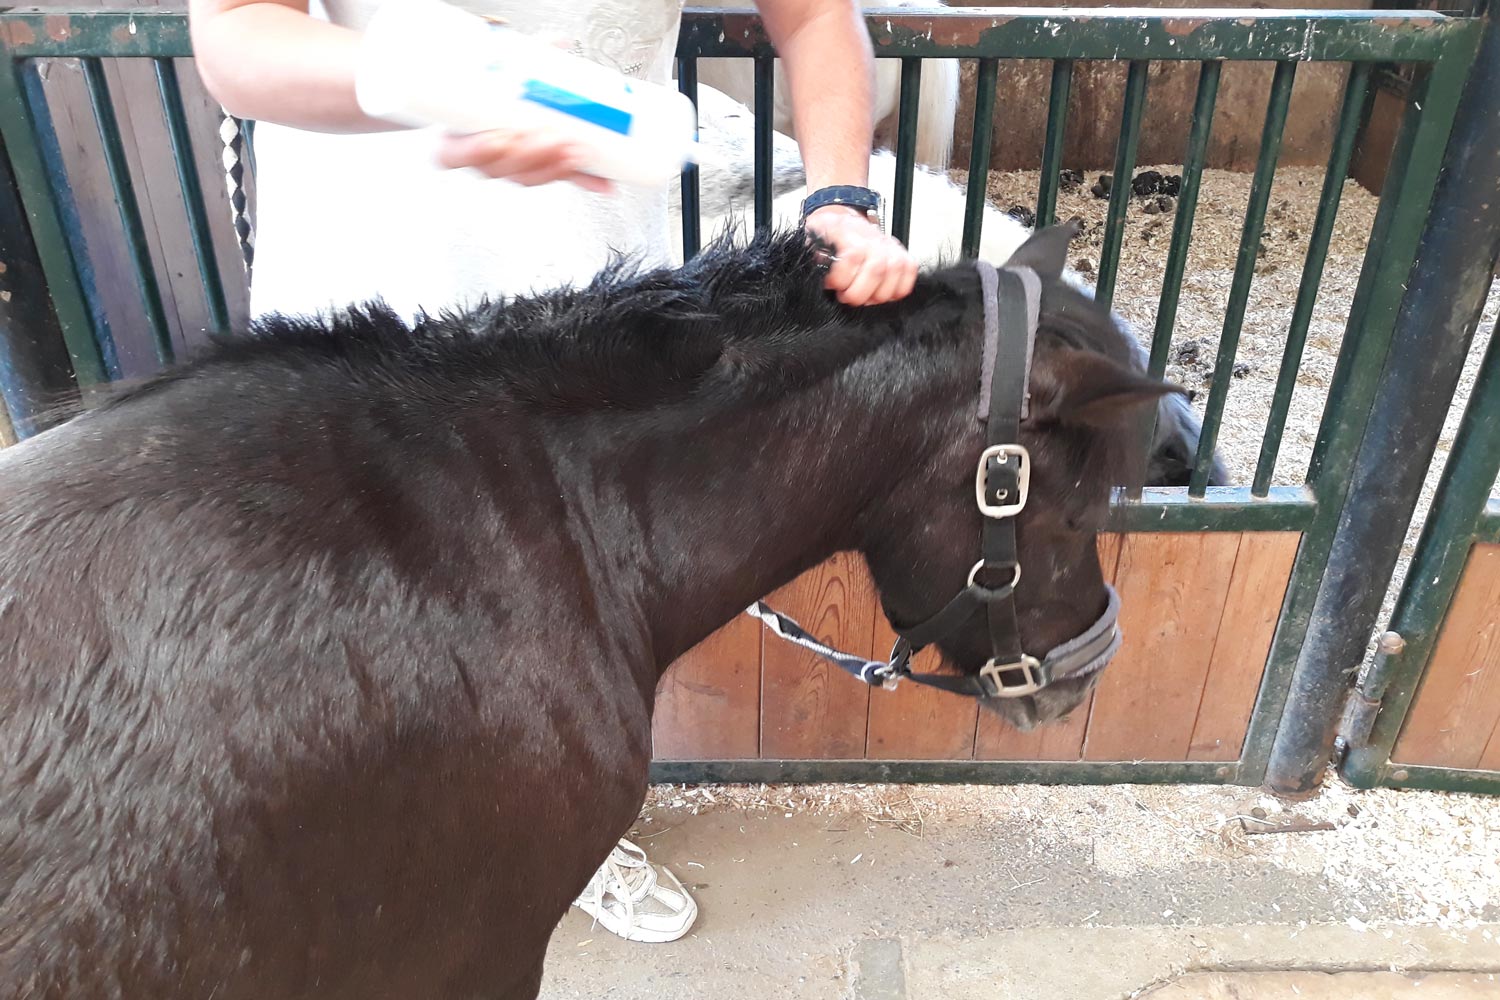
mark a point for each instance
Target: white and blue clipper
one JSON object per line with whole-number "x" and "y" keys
{"x": 428, "y": 63}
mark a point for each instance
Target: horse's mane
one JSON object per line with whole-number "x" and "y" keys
{"x": 750, "y": 314}
{"x": 743, "y": 318}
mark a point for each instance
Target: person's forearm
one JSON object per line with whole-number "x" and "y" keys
{"x": 830, "y": 69}
{"x": 274, "y": 63}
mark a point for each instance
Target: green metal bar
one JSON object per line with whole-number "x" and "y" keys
{"x": 692, "y": 235}
{"x": 1226, "y": 508}
{"x": 1461, "y": 507}
{"x": 906, "y": 147}
{"x": 1434, "y": 779}
{"x": 1119, "y": 197}
{"x": 979, "y": 156}
{"x": 1104, "y": 33}
{"x": 247, "y": 126}
{"x": 130, "y": 210}
{"x": 18, "y": 122}
{"x": 1182, "y": 226}
{"x": 961, "y": 33}
{"x": 1312, "y": 272}
{"x": 192, "y": 193}
{"x": 1244, "y": 272}
{"x": 977, "y": 772}
{"x": 1351, "y": 347}
{"x": 765, "y": 109}
{"x": 1406, "y": 198}
{"x": 1488, "y": 531}
{"x": 1052, "y": 147}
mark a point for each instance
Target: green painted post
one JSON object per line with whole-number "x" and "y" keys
{"x": 692, "y": 238}
{"x": 906, "y": 147}
{"x": 1052, "y": 147}
{"x": 765, "y": 109}
{"x": 192, "y": 193}
{"x": 130, "y": 209}
{"x": 55, "y": 251}
{"x": 1182, "y": 226}
{"x": 979, "y": 157}
{"x": 1119, "y": 197}
{"x": 1244, "y": 272}
{"x": 1377, "y": 455}
{"x": 1312, "y": 271}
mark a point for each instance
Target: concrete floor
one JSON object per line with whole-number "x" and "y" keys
{"x": 834, "y": 907}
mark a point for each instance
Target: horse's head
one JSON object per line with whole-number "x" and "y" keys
{"x": 1084, "y": 435}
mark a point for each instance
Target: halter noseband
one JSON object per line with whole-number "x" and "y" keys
{"x": 1012, "y": 305}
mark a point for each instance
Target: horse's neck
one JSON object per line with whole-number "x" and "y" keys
{"x": 743, "y": 503}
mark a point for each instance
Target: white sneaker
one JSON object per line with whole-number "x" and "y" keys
{"x": 626, "y": 897}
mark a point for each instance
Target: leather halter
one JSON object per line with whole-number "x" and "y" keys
{"x": 1012, "y": 304}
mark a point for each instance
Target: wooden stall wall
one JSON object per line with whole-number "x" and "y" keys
{"x": 1098, "y": 89}
{"x": 1198, "y": 613}
{"x": 148, "y": 150}
{"x": 1455, "y": 719}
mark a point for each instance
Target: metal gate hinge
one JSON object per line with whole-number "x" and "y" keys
{"x": 1366, "y": 699}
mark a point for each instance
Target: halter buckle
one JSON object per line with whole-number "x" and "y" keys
{"x": 1030, "y": 670}
{"x": 998, "y": 503}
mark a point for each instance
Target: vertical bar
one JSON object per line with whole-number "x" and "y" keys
{"x": 692, "y": 236}
{"x": 130, "y": 212}
{"x": 1437, "y": 564}
{"x": 1052, "y": 148}
{"x": 247, "y": 129}
{"x": 1419, "y": 321}
{"x": 1182, "y": 228}
{"x": 1312, "y": 273}
{"x": 192, "y": 193}
{"x": 20, "y": 121}
{"x": 1119, "y": 198}
{"x": 1244, "y": 272}
{"x": 1300, "y": 686}
{"x": 906, "y": 147}
{"x": 765, "y": 106}
{"x": 979, "y": 156}
{"x": 34, "y": 367}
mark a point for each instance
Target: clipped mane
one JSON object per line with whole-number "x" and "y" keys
{"x": 735, "y": 318}
{"x": 740, "y": 320}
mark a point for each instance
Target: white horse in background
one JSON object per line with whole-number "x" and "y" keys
{"x": 937, "y": 107}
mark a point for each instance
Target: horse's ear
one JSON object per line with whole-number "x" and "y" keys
{"x": 1046, "y": 251}
{"x": 1093, "y": 391}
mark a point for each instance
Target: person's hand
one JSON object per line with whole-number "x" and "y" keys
{"x": 525, "y": 156}
{"x": 869, "y": 267}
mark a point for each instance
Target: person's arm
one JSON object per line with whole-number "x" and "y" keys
{"x": 269, "y": 60}
{"x": 830, "y": 69}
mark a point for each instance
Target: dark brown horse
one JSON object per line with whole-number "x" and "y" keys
{"x": 329, "y": 658}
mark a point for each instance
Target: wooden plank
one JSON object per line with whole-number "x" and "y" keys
{"x": 1061, "y": 740}
{"x": 1256, "y": 590}
{"x": 98, "y": 214}
{"x": 916, "y": 722}
{"x": 143, "y": 129}
{"x": 1454, "y": 719}
{"x": 809, "y": 707}
{"x": 208, "y": 152}
{"x": 1173, "y": 588}
{"x": 708, "y": 703}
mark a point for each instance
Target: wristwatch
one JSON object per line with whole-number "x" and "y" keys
{"x": 851, "y": 195}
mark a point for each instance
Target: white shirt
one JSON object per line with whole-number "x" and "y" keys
{"x": 344, "y": 219}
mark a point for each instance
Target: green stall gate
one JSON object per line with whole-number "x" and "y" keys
{"x": 1222, "y": 587}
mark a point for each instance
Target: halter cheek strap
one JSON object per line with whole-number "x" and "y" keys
{"x": 1002, "y": 481}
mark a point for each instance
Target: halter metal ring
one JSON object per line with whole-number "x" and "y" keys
{"x": 1004, "y": 452}
{"x": 1015, "y": 579}
{"x": 1029, "y": 666}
